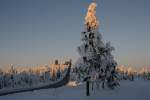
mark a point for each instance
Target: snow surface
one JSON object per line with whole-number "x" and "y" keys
{"x": 136, "y": 90}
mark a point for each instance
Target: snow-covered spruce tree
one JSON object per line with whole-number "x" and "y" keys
{"x": 96, "y": 62}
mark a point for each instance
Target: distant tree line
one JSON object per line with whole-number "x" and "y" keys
{"x": 27, "y": 77}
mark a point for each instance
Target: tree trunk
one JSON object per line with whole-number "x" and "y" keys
{"x": 87, "y": 88}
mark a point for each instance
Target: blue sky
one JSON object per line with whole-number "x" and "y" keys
{"x": 34, "y": 31}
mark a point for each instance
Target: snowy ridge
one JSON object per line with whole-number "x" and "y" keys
{"x": 137, "y": 90}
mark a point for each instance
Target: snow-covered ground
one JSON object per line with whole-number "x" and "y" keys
{"x": 137, "y": 90}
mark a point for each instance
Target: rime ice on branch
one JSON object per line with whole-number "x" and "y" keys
{"x": 91, "y": 21}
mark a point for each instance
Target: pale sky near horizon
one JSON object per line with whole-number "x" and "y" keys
{"x": 35, "y": 31}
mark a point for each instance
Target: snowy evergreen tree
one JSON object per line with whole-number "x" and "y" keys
{"x": 96, "y": 63}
